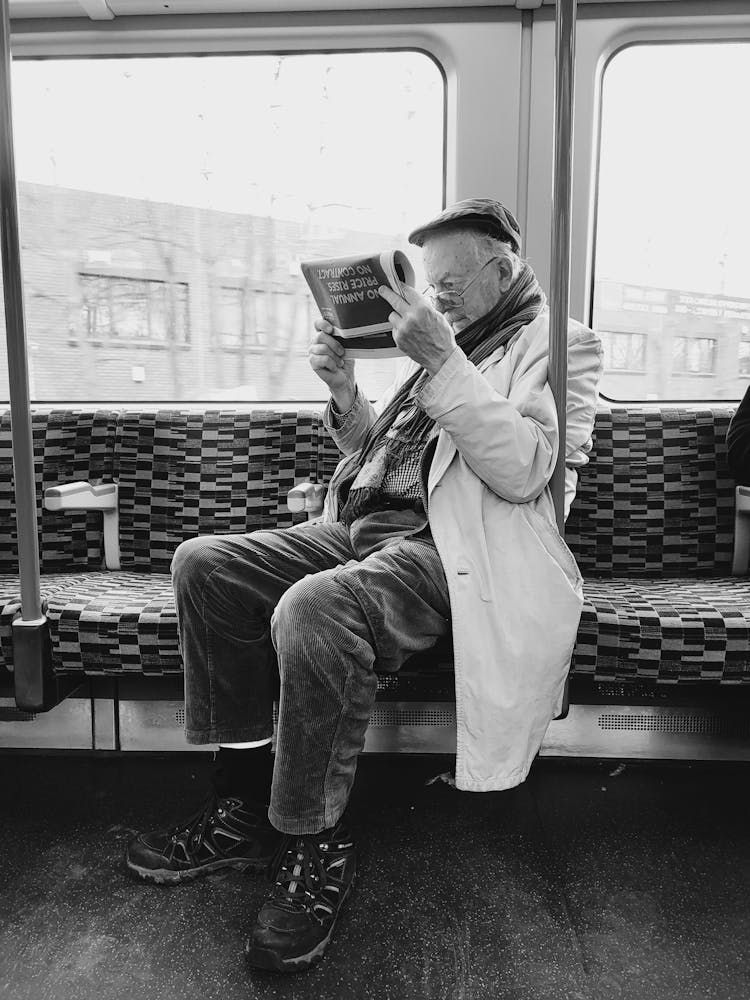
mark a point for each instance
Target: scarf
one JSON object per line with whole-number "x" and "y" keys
{"x": 406, "y": 421}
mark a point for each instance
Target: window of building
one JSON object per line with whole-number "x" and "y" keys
{"x": 694, "y": 356}
{"x": 265, "y": 319}
{"x": 230, "y": 321}
{"x": 672, "y": 258}
{"x": 132, "y": 310}
{"x": 229, "y": 202}
{"x": 744, "y": 357}
{"x": 624, "y": 352}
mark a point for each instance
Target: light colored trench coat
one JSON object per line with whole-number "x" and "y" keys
{"x": 515, "y": 590}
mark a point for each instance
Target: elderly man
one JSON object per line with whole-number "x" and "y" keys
{"x": 439, "y": 519}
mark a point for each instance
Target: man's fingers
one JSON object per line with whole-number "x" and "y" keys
{"x": 412, "y": 296}
{"x": 332, "y": 349}
{"x": 326, "y": 360}
{"x": 321, "y": 357}
{"x": 327, "y": 342}
{"x": 326, "y": 363}
{"x": 401, "y": 303}
{"x": 393, "y": 299}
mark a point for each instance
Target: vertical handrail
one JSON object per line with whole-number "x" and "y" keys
{"x": 15, "y": 328}
{"x": 565, "y": 26}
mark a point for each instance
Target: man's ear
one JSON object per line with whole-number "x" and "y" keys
{"x": 506, "y": 274}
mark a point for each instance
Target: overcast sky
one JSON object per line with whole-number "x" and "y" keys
{"x": 356, "y": 141}
{"x": 674, "y": 194}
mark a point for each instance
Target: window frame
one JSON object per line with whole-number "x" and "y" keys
{"x": 601, "y": 33}
{"x": 465, "y": 44}
{"x": 107, "y": 270}
{"x": 674, "y": 372}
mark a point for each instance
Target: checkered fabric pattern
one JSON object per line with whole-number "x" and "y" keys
{"x": 10, "y": 603}
{"x": 665, "y": 630}
{"x": 181, "y": 474}
{"x": 639, "y": 629}
{"x": 185, "y": 473}
{"x": 657, "y": 498}
{"x": 109, "y": 623}
{"x": 68, "y": 445}
{"x": 651, "y": 527}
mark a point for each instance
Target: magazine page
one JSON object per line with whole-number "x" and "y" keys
{"x": 398, "y": 269}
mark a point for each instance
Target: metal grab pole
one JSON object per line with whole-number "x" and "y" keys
{"x": 34, "y": 683}
{"x": 15, "y": 328}
{"x": 565, "y": 40}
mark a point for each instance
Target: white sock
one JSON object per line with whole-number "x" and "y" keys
{"x": 245, "y": 746}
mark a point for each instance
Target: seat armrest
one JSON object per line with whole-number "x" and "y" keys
{"x": 308, "y": 498}
{"x": 741, "y": 530}
{"x": 88, "y": 496}
{"x": 81, "y": 496}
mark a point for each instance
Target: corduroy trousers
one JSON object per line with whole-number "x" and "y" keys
{"x": 316, "y": 609}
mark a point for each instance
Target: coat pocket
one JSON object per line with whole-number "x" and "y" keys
{"x": 553, "y": 544}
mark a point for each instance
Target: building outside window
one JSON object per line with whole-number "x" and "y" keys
{"x": 624, "y": 351}
{"x": 134, "y": 310}
{"x": 694, "y": 356}
{"x": 744, "y": 358}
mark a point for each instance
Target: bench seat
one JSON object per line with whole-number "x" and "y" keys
{"x": 666, "y": 630}
{"x": 651, "y": 528}
{"x": 669, "y": 631}
{"x": 102, "y": 623}
{"x": 68, "y": 445}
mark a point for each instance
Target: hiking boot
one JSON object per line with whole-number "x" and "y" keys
{"x": 295, "y": 925}
{"x": 226, "y": 832}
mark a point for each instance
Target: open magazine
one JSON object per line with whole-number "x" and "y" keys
{"x": 345, "y": 290}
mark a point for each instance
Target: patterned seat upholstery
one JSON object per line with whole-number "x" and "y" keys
{"x": 181, "y": 474}
{"x": 668, "y": 630}
{"x": 652, "y": 529}
{"x": 656, "y": 498}
{"x": 68, "y": 445}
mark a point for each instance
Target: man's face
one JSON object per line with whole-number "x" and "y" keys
{"x": 451, "y": 260}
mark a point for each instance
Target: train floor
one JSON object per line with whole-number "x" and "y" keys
{"x": 592, "y": 881}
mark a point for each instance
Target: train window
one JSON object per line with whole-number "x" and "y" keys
{"x": 165, "y": 204}
{"x": 672, "y": 258}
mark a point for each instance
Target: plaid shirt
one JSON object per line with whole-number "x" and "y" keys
{"x": 402, "y": 481}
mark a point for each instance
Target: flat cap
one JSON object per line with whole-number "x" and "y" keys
{"x": 478, "y": 213}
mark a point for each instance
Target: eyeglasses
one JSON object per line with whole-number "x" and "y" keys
{"x": 453, "y": 299}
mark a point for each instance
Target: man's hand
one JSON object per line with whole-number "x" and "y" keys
{"x": 328, "y": 362}
{"x": 418, "y": 329}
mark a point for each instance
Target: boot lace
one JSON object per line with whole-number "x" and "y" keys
{"x": 301, "y": 873}
{"x": 193, "y": 833}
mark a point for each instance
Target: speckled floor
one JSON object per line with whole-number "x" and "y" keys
{"x": 581, "y": 884}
